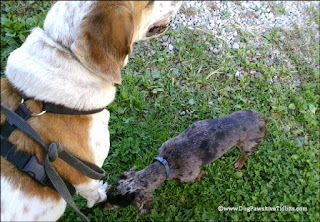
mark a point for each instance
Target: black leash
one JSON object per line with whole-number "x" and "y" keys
{"x": 54, "y": 151}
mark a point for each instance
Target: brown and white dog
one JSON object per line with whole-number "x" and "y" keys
{"x": 74, "y": 61}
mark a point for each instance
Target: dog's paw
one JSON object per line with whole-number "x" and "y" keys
{"x": 90, "y": 203}
{"x": 99, "y": 195}
{"x": 102, "y": 190}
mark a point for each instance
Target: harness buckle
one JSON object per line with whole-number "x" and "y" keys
{"x": 35, "y": 170}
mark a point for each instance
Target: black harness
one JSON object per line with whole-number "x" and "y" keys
{"x": 45, "y": 174}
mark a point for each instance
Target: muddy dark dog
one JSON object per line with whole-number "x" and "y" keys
{"x": 182, "y": 157}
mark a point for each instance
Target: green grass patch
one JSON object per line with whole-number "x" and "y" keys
{"x": 163, "y": 93}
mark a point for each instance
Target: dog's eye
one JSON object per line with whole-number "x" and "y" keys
{"x": 150, "y": 3}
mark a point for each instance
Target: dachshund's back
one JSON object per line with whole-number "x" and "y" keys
{"x": 205, "y": 141}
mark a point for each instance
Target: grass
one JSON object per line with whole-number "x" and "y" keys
{"x": 163, "y": 93}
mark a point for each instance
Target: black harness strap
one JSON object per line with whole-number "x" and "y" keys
{"x": 29, "y": 164}
{"x": 61, "y": 109}
{"x": 53, "y": 151}
{"x": 8, "y": 128}
{"x": 8, "y": 151}
{"x": 25, "y": 162}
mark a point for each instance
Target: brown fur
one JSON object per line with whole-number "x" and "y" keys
{"x": 104, "y": 54}
{"x": 70, "y": 131}
{"x": 71, "y": 51}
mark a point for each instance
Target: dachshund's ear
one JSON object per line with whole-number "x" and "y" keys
{"x": 133, "y": 169}
{"x": 132, "y": 172}
{"x": 105, "y": 39}
{"x": 142, "y": 202}
{"x": 126, "y": 175}
{"x": 122, "y": 176}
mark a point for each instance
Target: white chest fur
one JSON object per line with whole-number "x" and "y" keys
{"x": 99, "y": 138}
{"x": 99, "y": 143}
{"x": 17, "y": 206}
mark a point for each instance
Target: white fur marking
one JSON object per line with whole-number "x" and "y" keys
{"x": 15, "y": 201}
{"x": 98, "y": 134}
{"x": 44, "y": 75}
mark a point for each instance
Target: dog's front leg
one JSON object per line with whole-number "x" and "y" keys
{"x": 94, "y": 191}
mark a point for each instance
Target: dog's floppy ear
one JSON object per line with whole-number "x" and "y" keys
{"x": 126, "y": 175}
{"x": 122, "y": 176}
{"x": 132, "y": 170}
{"x": 142, "y": 202}
{"x": 105, "y": 38}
